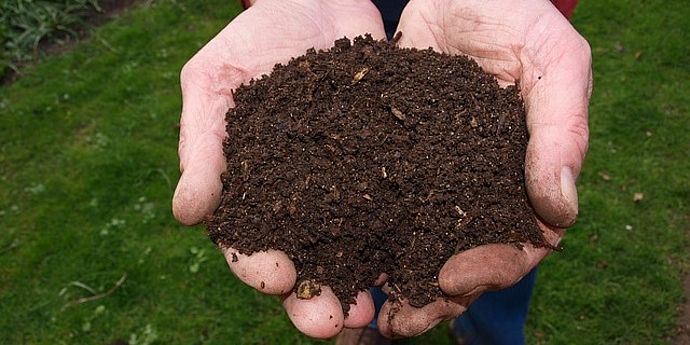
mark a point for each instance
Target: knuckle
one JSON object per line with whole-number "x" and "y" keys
{"x": 582, "y": 50}
{"x": 579, "y": 132}
{"x": 192, "y": 70}
{"x": 578, "y": 128}
{"x": 586, "y": 48}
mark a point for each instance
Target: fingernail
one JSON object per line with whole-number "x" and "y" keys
{"x": 569, "y": 191}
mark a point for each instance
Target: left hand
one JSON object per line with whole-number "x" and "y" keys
{"x": 525, "y": 41}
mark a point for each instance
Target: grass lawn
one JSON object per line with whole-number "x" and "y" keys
{"x": 88, "y": 164}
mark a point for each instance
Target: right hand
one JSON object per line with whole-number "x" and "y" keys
{"x": 270, "y": 32}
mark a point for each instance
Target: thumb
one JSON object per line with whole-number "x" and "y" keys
{"x": 557, "y": 113}
{"x": 202, "y": 130}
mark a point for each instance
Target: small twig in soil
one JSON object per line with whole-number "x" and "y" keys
{"x": 398, "y": 114}
{"x": 396, "y": 38}
{"x": 245, "y": 170}
{"x": 500, "y": 124}
{"x": 462, "y": 222}
{"x": 99, "y": 296}
{"x": 460, "y": 212}
{"x": 397, "y": 287}
{"x": 359, "y": 75}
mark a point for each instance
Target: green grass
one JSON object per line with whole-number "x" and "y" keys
{"x": 88, "y": 165}
{"x": 26, "y": 23}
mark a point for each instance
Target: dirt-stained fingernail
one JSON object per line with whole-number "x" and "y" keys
{"x": 569, "y": 191}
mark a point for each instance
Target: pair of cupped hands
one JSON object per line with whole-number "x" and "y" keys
{"x": 525, "y": 41}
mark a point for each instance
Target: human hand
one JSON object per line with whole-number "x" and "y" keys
{"x": 270, "y": 32}
{"x": 529, "y": 42}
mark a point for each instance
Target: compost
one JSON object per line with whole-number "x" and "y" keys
{"x": 368, "y": 158}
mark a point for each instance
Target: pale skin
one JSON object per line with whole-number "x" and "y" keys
{"x": 525, "y": 41}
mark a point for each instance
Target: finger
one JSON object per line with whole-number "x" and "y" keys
{"x": 356, "y": 18}
{"x": 401, "y": 320}
{"x": 556, "y": 90}
{"x": 487, "y": 267}
{"x": 318, "y": 317}
{"x": 362, "y": 312}
{"x": 271, "y": 272}
{"x": 199, "y": 188}
{"x": 202, "y": 129}
{"x": 416, "y": 35}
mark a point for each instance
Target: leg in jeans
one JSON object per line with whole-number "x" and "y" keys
{"x": 497, "y": 317}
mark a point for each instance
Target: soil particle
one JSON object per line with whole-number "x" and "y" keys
{"x": 307, "y": 289}
{"x": 369, "y": 159}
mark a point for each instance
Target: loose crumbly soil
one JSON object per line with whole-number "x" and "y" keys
{"x": 368, "y": 158}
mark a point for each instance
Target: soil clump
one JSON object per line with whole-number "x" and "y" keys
{"x": 368, "y": 159}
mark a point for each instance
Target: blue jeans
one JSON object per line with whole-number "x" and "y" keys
{"x": 390, "y": 13}
{"x": 495, "y": 318}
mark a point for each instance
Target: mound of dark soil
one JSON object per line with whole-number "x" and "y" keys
{"x": 368, "y": 158}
